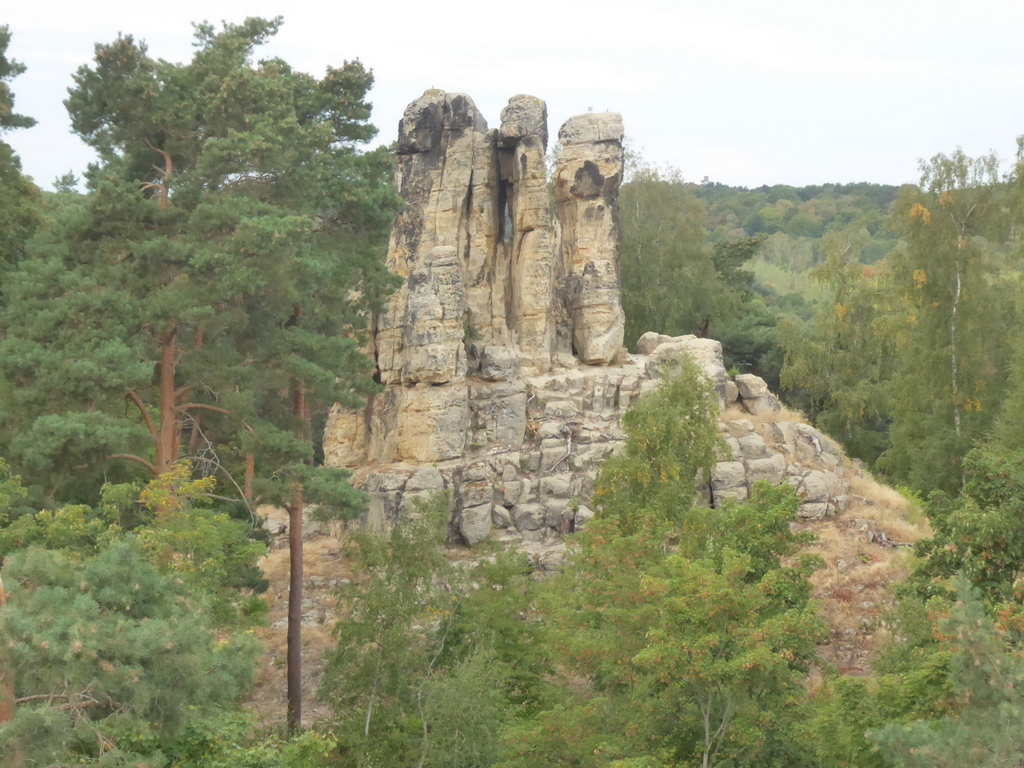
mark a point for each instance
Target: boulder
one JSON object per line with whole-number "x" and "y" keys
{"x": 771, "y": 469}
{"x": 475, "y": 523}
{"x": 728, "y": 474}
{"x": 751, "y": 386}
{"x": 764, "y": 405}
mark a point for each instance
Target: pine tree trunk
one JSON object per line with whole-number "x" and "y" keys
{"x": 301, "y": 410}
{"x": 169, "y": 436}
{"x": 295, "y": 576}
{"x": 7, "y": 694}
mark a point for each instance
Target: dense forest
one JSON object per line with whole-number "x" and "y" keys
{"x": 172, "y": 338}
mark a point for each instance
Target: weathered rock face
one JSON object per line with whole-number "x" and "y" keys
{"x": 588, "y": 176}
{"x": 522, "y": 144}
{"x": 448, "y": 177}
{"x": 505, "y": 381}
{"x": 528, "y": 468}
{"x": 493, "y": 286}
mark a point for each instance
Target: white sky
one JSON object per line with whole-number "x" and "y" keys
{"x": 746, "y": 92}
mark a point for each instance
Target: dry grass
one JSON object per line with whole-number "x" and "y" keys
{"x": 736, "y": 411}
{"x": 854, "y": 586}
{"x": 786, "y": 414}
{"x": 866, "y": 486}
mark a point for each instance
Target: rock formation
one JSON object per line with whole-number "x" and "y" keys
{"x": 501, "y": 355}
{"x": 493, "y": 285}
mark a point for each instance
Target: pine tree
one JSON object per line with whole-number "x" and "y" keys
{"x": 110, "y": 657}
{"x": 987, "y": 678}
{"x": 19, "y": 209}
{"x": 208, "y": 297}
{"x": 230, "y": 224}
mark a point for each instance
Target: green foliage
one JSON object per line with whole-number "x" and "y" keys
{"x": 952, "y": 342}
{"x": 980, "y": 533}
{"x": 232, "y": 740}
{"x": 663, "y": 249}
{"x": 19, "y": 197}
{"x": 911, "y": 683}
{"x": 204, "y": 548}
{"x": 111, "y": 657}
{"x": 464, "y": 710}
{"x": 987, "y": 680}
{"x": 1006, "y": 432}
{"x": 71, "y": 527}
{"x": 905, "y": 362}
{"x": 671, "y": 437}
{"x": 681, "y": 653}
{"x": 679, "y": 637}
{"x": 412, "y": 681}
{"x": 11, "y": 493}
{"x": 490, "y": 617}
{"x": 839, "y": 365}
{"x": 804, "y": 213}
{"x": 208, "y": 295}
{"x": 9, "y": 69}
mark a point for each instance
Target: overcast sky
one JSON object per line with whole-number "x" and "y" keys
{"x": 745, "y": 92}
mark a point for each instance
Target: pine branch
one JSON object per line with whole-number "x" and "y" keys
{"x": 203, "y": 407}
{"x": 132, "y": 395}
{"x": 137, "y": 459}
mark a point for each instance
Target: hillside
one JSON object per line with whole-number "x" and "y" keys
{"x": 861, "y": 528}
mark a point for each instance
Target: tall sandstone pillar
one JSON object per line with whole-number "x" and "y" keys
{"x": 522, "y": 148}
{"x": 587, "y": 182}
{"x": 496, "y": 282}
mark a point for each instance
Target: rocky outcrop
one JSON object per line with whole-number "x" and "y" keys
{"x": 499, "y": 280}
{"x": 505, "y": 380}
{"x": 529, "y": 466}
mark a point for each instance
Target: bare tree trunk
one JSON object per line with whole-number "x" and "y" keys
{"x": 169, "y": 437}
{"x": 295, "y": 510}
{"x": 953, "y": 321}
{"x": 295, "y": 576}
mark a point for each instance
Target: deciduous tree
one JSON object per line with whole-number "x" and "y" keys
{"x": 951, "y": 349}
{"x": 664, "y": 256}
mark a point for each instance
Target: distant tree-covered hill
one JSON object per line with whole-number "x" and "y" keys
{"x": 801, "y": 213}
